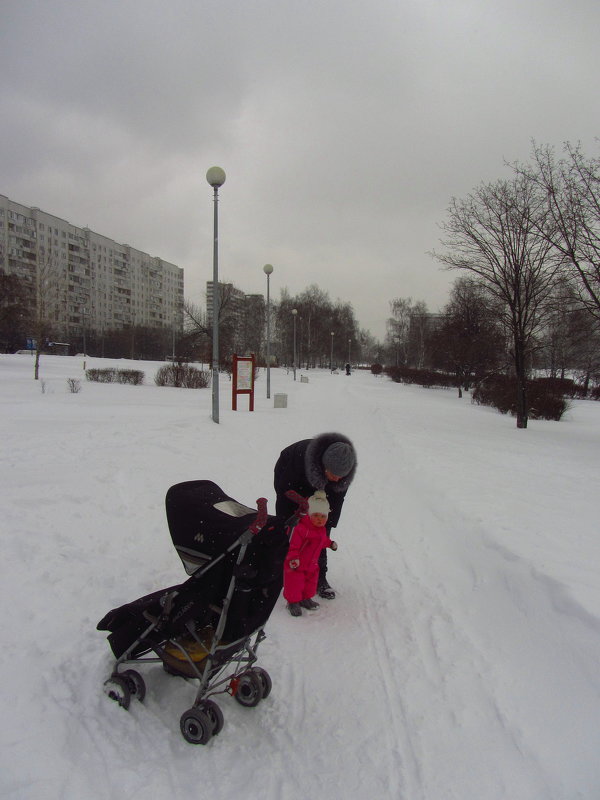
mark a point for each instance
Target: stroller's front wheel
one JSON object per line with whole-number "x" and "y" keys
{"x": 117, "y": 688}
{"x": 196, "y": 726}
{"x": 136, "y": 684}
{"x": 214, "y": 713}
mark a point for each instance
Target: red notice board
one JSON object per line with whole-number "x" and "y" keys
{"x": 243, "y": 379}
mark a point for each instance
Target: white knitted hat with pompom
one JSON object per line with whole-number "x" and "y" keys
{"x": 317, "y": 504}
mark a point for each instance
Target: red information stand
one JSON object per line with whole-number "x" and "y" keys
{"x": 243, "y": 379}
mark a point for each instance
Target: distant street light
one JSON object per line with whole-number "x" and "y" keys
{"x": 331, "y": 359}
{"x": 268, "y": 269}
{"x": 215, "y": 177}
{"x": 294, "y": 314}
{"x": 349, "y": 351}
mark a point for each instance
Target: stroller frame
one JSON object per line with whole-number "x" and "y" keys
{"x": 226, "y": 667}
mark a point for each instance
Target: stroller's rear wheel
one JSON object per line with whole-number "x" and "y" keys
{"x": 196, "y": 726}
{"x": 265, "y": 679}
{"x": 249, "y": 690}
{"x": 136, "y": 684}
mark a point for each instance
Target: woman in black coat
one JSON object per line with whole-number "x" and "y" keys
{"x": 328, "y": 462}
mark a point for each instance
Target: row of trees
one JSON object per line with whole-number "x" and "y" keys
{"x": 530, "y": 246}
{"x": 325, "y": 331}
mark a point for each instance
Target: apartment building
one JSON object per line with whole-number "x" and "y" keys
{"x": 245, "y": 311}
{"x": 81, "y": 280}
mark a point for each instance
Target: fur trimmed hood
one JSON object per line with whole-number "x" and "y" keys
{"x": 313, "y": 462}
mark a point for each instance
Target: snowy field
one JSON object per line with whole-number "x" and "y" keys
{"x": 460, "y": 660}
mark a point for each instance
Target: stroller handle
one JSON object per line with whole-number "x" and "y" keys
{"x": 300, "y": 501}
{"x": 261, "y": 517}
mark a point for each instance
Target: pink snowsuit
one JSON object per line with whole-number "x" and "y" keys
{"x": 306, "y": 543}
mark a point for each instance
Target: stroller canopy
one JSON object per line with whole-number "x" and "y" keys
{"x": 204, "y": 521}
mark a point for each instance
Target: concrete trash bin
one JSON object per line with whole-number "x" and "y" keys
{"x": 280, "y": 401}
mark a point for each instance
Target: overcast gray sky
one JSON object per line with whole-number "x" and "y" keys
{"x": 344, "y": 127}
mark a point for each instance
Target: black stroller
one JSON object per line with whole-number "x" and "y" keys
{"x": 209, "y": 627}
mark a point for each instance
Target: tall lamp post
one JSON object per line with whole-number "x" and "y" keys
{"x": 215, "y": 177}
{"x": 331, "y": 359}
{"x": 83, "y": 313}
{"x": 349, "y": 351}
{"x": 268, "y": 269}
{"x": 294, "y": 314}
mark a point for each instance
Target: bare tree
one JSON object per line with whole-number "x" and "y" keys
{"x": 468, "y": 341}
{"x": 417, "y": 334}
{"x": 368, "y": 348}
{"x": 13, "y": 312}
{"x": 495, "y": 234}
{"x": 398, "y": 327}
{"x": 47, "y": 297}
{"x": 571, "y": 188}
{"x": 198, "y": 326}
{"x": 570, "y": 341}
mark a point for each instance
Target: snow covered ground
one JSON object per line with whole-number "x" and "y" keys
{"x": 459, "y": 661}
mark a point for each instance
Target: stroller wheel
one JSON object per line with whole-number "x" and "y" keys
{"x": 196, "y": 726}
{"x": 214, "y": 713}
{"x": 135, "y": 682}
{"x": 249, "y": 691}
{"x": 265, "y": 679}
{"x": 117, "y": 688}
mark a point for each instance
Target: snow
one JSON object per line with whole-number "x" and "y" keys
{"x": 459, "y": 660}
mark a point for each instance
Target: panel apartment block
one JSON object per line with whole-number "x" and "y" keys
{"x": 79, "y": 278}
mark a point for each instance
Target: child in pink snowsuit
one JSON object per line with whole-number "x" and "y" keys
{"x": 301, "y": 568}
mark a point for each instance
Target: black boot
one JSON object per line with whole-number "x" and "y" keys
{"x": 324, "y": 590}
{"x": 309, "y": 604}
{"x": 295, "y": 609}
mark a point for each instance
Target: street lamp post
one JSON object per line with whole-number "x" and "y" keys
{"x": 83, "y": 313}
{"x": 268, "y": 269}
{"x": 331, "y": 359}
{"x": 294, "y": 314}
{"x": 215, "y": 177}
{"x": 349, "y": 351}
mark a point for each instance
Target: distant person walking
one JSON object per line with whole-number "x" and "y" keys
{"x": 328, "y": 462}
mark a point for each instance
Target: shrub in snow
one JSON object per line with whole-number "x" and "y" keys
{"x": 567, "y": 387}
{"x": 421, "y": 377}
{"x": 101, "y": 375}
{"x": 133, "y": 376}
{"x": 500, "y": 392}
{"x": 376, "y": 369}
{"x": 112, "y": 375}
{"x": 74, "y": 385}
{"x": 182, "y": 376}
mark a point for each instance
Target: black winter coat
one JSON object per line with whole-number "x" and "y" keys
{"x": 300, "y": 467}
